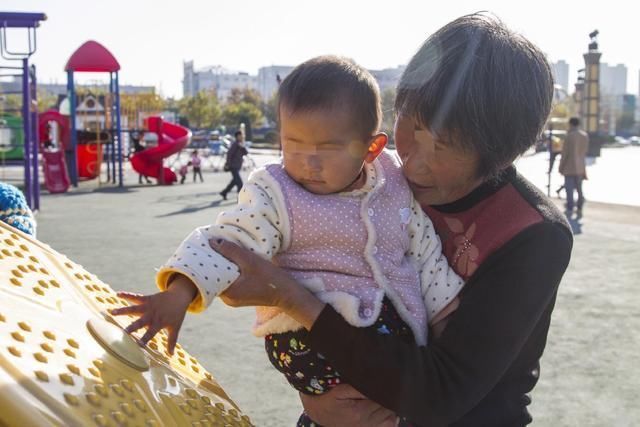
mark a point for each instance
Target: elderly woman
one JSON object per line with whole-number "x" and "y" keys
{"x": 472, "y": 99}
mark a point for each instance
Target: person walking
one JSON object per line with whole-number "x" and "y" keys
{"x": 235, "y": 156}
{"x": 573, "y": 165}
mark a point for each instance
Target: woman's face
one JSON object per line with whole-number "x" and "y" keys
{"x": 438, "y": 172}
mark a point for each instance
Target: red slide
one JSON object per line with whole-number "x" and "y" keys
{"x": 171, "y": 139}
{"x": 55, "y": 172}
{"x": 54, "y": 166}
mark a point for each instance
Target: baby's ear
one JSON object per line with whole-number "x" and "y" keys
{"x": 377, "y": 144}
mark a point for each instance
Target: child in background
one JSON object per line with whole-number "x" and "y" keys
{"x": 337, "y": 213}
{"x": 195, "y": 163}
{"x": 183, "y": 171}
{"x": 138, "y": 147}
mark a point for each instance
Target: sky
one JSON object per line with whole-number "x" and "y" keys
{"x": 152, "y": 38}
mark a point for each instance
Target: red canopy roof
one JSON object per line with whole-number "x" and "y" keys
{"x": 92, "y": 57}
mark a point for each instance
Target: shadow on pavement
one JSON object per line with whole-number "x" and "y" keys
{"x": 191, "y": 209}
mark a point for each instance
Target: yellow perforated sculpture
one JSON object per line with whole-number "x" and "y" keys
{"x": 64, "y": 361}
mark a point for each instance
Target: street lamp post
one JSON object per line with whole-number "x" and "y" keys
{"x": 591, "y": 96}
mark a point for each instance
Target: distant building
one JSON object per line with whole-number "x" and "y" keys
{"x": 189, "y": 79}
{"x": 613, "y": 80}
{"x": 629, "y": 104}
{"x": 215, "y": 78}
{"x": 265, "y": 83}
{"x": 613, "y": 87}
{"x": 560, "y": 72}
{"x": 269, "y": 79}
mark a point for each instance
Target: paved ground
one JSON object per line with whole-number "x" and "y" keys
{"x": 589, "y": 371}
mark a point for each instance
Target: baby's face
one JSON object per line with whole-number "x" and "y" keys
{"x": 322, "y": 150}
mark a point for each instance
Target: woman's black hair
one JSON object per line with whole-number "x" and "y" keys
{"x": 476, "y": 83}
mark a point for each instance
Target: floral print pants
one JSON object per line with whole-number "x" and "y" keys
{"x": 307, "y": 370}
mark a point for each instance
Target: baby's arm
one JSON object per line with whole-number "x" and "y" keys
{"x": 255, "y": 223}
{"x": 196, "y": 273}
{"x": 439, "y": 283}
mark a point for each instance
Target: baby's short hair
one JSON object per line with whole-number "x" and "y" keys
{"x": 333, "y": 82}
{"x": 481, "y": 84}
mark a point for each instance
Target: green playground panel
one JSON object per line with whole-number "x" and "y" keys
{"x": 11, "y": 138}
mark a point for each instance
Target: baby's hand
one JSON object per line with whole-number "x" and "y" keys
{"x": 164, "y": 310}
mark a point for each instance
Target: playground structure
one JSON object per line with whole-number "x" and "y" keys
{"x": 92, "y": 134}
{"x": 66, "y": 361}
{"x": 75, "y": 144}
{"x": 92, "y": 137}
{"x": 28, "y": 22}
{"x": 86, "y": 132}
{"x": 92, "y": 57}
{"x": 81, "y": 162}
{"x": 171, "y": 139}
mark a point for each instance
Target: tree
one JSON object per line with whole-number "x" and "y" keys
{"x": 171, "y": 104}
{"x": 142, "y": 102}
{"x": 202, "y": 110}
{"x": 250, "y": 96}
{"x": 560, "y": 110}
{"x": 46, "y": 100}
{"x": 242, "y": 112}
{"x": 270, "y": 109}
{"x": 11, "y": 103}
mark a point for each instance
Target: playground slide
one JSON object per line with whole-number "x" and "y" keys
{"x": 171, "y": 139}
{"x": 55, "y": 172}
{"x": 54, "y": 166}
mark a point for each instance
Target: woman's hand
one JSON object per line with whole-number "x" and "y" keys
{"x": 345, "y": 406}
{"x": 263, "y": 284}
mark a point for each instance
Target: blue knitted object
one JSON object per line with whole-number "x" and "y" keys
{"x": 14, "y": 209}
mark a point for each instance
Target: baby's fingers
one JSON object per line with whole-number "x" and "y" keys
{"x": 138, "y": 324}
{"x": 173, "y": 339}
{"x": 132, "y": 309}
{"x": 152, "y": 330}
{"x": 130, "y": 296}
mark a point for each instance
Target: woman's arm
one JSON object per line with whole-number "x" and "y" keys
{"x": 507, "y": 301}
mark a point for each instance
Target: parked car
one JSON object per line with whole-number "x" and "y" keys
{"x": 635, "y": 140}
{"x": 620, "y": 140}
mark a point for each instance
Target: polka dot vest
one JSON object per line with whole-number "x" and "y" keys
{"x": 356, "y": 244}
